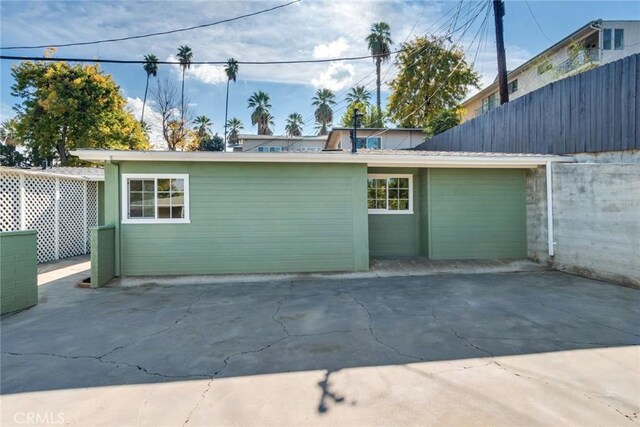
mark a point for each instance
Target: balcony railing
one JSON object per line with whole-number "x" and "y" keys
{"x": 586, "y": 56}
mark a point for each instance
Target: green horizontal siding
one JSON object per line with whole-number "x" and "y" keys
{"x": 477, "y": 213}
{"x": 255, "y": 218}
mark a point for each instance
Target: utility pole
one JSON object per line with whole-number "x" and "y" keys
{"x": 354, "y": 139}
{"x": 498, "y": 13}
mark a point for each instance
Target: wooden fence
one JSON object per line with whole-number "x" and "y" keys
{"x": 598, "y": 110}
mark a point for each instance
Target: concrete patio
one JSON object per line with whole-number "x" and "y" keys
{"x": 527, "y": 348}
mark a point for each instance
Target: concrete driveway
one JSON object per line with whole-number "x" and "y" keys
{"x": 536, "y": 348}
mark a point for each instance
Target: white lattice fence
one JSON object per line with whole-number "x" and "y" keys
{"x": 62, "y": 210}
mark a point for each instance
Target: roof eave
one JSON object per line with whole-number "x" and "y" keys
{"x": 373, "y": 160}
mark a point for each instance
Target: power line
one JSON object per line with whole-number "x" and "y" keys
{"x": 536, "y": 21}
{"x": 141, "y": 36}
{"x": 138, "y": 61}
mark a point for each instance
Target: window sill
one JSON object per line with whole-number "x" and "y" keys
{"x": 155, "y": 221}
{"x": 387, "y": 212}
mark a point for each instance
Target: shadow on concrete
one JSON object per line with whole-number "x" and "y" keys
{"x": 79, "y": 338}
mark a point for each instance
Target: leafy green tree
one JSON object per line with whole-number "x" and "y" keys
{"x": 323, "y": 100}
{"x": 234, "y": 125}
{"x": 379, "y": 43}
{"x": 431, "y": 78}
{"x": 10, "y": 156}
{"x": 66, "y": 107}
{"x": 212, "y": 143}
{"x": 261, "y": 115}
{"x": 358, "y": 94}
{"x": 151, "y": 68}
{"x": 203, "y": 126}
{"x": 294, "y": 124}
{"x": 371, "y": 118}
{"x": 185, "y": 55}
{"x": 443, "y": 120}
{"x": 231, "y": 69}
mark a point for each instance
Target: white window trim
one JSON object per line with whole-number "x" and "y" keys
{"x": 387, "y": 211}
{"x": 124, "y": 190}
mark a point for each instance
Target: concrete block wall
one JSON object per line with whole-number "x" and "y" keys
{"x": 18, "y": 270}
{"x": 103, "y": 255}
{"x": 596, "y": 220}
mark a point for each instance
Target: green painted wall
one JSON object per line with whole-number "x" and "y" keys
{"x": 477, "y": 213}
{"x": 423, "y": 202}
{"x": 396, "y": 235}
{"x": 112, "y": 206}
{"x": 103, "y": 255}
{"x": 18, "y": 270}
{"x": 100, "y": 203}
{"x": 250, "y": 218}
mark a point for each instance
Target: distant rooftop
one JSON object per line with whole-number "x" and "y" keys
{"x": 86, "y": 173}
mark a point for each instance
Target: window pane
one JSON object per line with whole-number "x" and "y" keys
{"x": 177, "y": 184}
{"x": 177, "y": 212}
{"x": 403, "y": 194}
{"x": 177, "y": 198}
{"x": 393, "y": 182}
{"x": 135, "y": 198}
{"x": 135, "y": 212}
{"x": 164, "y": 184}
{"x": 373, "y": 143}
{"x": 393, "y": 193}
{"x": 164, "y": 198}
{"x": 148, "y": 185}
{"x": 393, "y": 205}
{"x": 403, "y": 205}
{"x": 371, "y": 193}
{"x": 135, "y": 185}
{"x": 371, "y": 204}
{"x": 149, "y": 212}
{"x": 164, "y": 212}
{"x": 618, "y": 40}
{"x": 606, "y": 39}
{"x": 381, "y": 204}
{"x": 403, "y": 183}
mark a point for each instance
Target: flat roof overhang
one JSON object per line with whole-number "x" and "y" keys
{"x": 405, "y": 159}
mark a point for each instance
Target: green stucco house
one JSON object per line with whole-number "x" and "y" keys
{"x": 176, "y": 213}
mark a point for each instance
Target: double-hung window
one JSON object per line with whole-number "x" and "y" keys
{"x": 616, "y": 36}
{"x": 390, "y": 194}
{"x": 155, "y": 198}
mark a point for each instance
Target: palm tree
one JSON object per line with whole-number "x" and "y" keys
{"x": 184, "y": 55}
{"x": 358, "y": 94}
{"x": 323, "y": 101}
{"x": 294, "y": 124}
{"x": 234, "y": 125}
{"x": 261, "y": 116}
{"x": 203, "y": 126}
{"x": 379, "y": 42}
{"x": 151, "y": 67}
{"x": 232, "y": 73}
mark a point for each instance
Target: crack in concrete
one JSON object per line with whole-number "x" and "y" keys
{"x": 161, "y": 331}
{"x": 589, "y": 320}
{"x": 373, "y": 334}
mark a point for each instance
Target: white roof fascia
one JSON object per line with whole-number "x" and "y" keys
{"x": 374, "y": 160}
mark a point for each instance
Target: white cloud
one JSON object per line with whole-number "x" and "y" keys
{"x": 209, "y": 74}
{"x": 336, "y": 77}
{"x": 330, "y": 50}
{"x": 152, "y": 118}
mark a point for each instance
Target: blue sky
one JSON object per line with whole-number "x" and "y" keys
{"x": 309, "y": 29}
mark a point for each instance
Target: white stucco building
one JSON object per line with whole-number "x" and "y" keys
{"x": 375, "y": 138}
{"x": 279, "y": 144}
{"x": 594, "y": 44}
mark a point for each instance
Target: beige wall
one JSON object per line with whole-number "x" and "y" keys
{"x": 389, "y": 139}
{"x": 287, "y": 144}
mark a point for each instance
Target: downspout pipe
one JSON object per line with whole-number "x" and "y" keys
{"x": 550, "y": 241}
